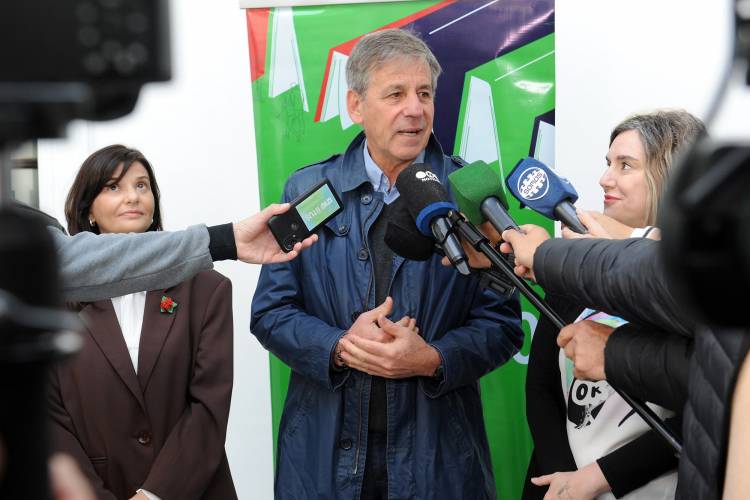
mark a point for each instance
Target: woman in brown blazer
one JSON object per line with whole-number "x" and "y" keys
{"x": 143, "y": 408}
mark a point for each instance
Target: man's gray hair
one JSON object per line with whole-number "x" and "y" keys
{"x": 375, "y": 49}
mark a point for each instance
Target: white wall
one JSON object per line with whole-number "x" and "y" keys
{"x": 197, "y": 132}
{"x": 614, "y": 57}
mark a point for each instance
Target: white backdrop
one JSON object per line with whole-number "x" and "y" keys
{"x": 614, "y": 58}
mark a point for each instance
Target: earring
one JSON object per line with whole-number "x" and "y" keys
{"x": 92, "y": 222}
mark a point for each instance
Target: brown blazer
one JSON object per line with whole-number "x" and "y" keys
{"x": 163, "y": 429}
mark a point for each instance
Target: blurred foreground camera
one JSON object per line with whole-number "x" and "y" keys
{"x": 59, "y": 60}
{"x": 706, "y": 233}
{"x": 67, "y": 59}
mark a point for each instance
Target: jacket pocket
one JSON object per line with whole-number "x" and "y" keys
{"x": 458, "y": 424}
{"x": 296, "y": 408}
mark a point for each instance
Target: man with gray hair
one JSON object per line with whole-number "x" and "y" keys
{"x": 381, "y": 409}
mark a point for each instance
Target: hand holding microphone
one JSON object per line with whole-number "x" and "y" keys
{"x": 603, "y": 226}
{"x": 524, "y": 245}
{"x": 537, "y": 186}
{"x": 477, "y": 259}
{"x": 478, "y": 190}
{"x": 596, "y": 227}
{"x": 532, "y": 180}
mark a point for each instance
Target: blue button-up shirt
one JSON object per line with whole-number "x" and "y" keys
{"x": 379, "y": 180}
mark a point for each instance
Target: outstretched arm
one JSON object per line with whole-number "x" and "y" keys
{"x": 95, "y": 267}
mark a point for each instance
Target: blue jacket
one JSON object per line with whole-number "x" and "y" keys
{"x": 437, "y": 445}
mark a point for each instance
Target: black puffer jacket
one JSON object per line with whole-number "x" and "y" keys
{"x": 626, "y": 278}
{"x": 616, "y": 276}
{"x": 718, "y": 357}
{"x": 650, "y": 365}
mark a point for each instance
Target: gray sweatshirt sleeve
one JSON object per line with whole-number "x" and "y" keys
{"x": 95, "y": 267}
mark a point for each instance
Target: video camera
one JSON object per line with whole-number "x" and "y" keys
{"x": 60, "y": 60}
{"x": 705, "y": 220}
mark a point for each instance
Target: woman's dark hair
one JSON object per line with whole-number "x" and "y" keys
{"x": 96, "y": 173}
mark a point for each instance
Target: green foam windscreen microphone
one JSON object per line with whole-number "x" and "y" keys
{"x": 478, "y": 191}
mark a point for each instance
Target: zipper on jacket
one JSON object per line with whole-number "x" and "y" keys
{"x": 393, "y": 278}
{"x": 359, "y": 429}
{"x": 366, "y": 241}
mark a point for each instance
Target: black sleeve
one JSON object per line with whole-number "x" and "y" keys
{"x": 649, "y": 365}
{"x": 545, "y": 404}
{"x": 621, "y": 277}
{"x": 221, "y": 243}
{"x": 639, "y": 461}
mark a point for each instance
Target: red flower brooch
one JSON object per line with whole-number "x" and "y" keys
{"x": 167, "y": 305}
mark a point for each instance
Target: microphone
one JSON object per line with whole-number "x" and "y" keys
{"x": 538, "y": 187}
{"x": 478, "y": 190}
{"x": 402, "y": 236}
{"x": 428, "y": 203}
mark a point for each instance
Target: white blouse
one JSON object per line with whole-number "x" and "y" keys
{"x": 129, "y": 311}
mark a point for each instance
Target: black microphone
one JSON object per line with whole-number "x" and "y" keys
{"x": 478, "y": 190}
{"x": 402, "y": 236}
{"x": 538, "y": 187}
{"x": 428, "y": 204}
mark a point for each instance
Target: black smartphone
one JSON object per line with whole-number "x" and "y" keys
{"x": 308, "y": 212}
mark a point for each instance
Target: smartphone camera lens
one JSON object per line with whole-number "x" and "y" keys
{"x": 289, "y": 243}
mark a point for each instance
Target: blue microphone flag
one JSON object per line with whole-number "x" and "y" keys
{"x": 539, "y": 187}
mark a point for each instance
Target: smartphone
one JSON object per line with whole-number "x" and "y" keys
{"x": 308, "y": 212}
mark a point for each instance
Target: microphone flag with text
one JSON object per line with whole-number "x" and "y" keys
{"x": 538, "y": 187}
{"x": 428, "y": 204}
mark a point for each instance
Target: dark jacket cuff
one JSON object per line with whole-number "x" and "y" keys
{"x": 434, "y": 386}
{"x": 339, "y": 374}
{"x": 221, "y": 243}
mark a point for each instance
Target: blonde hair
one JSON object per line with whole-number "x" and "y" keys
{"x": 664, "y": 134}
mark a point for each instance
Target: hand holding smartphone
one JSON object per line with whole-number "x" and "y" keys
{"x": 308, "y": 212}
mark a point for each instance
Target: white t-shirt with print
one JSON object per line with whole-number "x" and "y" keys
{"x": 599, "y": 421}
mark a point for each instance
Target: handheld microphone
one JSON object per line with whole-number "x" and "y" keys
{"x": 478, "y": 190}
{"x": 538, "y": 187}
{"x": 428, "y": 204}
{"x": 402, "y": 235}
